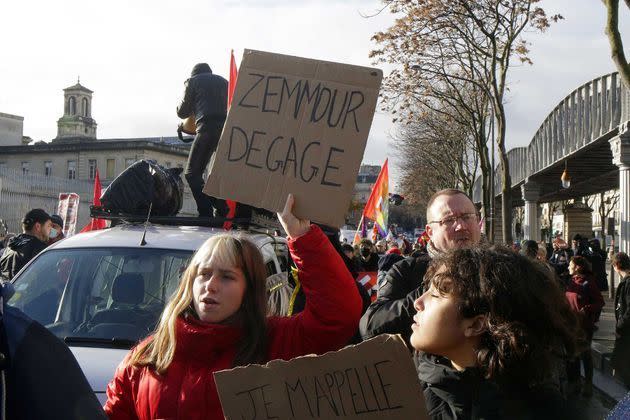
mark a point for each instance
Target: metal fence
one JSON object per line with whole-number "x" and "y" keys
{"x": 21, "y": 192}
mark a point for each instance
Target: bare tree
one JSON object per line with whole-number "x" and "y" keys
{"x": 605, "y": 207}
{"x": 456, "y": 54}
{"x": 434, "y": 152}
{"x": 614, "y": 38}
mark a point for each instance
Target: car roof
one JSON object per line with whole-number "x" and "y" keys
{"x": 157, "y": 236}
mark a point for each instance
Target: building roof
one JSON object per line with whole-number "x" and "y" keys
{"x": 78, "y": 86}
{"x": 161, "y": 144}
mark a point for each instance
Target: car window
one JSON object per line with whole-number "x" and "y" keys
{"x": 101, "y": 292}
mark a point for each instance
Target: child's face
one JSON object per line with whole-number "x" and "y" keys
{"x": 438, "y": 328}
{"x": 218, "y": 291}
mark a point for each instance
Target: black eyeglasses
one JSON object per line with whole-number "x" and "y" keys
{"x": 451, "y": 220}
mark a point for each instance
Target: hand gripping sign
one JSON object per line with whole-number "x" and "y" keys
{"x": 295, "y": 125}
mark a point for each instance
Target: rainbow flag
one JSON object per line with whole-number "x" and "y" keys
{"x": 377, "y": 206}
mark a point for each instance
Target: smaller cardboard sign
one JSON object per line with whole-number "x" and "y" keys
{"x": 299, "y": 126}
{"x": 369, "y": 280}
{"x": 68, "y": 210}
{"x": 372, "y": 380}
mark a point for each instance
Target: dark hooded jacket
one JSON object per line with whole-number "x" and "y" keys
{"x": 20, "y": 250}
{"x": 452, "y": 394}
{"x": 205, "y": 96}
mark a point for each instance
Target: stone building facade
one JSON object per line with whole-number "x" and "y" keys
{"x": 11, "y": 129}
{"x": 76, "y": 152}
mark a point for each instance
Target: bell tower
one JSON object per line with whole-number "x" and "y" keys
{"x": 77, "y": 122}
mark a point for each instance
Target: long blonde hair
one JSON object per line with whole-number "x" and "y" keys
{"x": 159, "y": 350}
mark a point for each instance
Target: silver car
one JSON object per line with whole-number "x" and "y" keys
{"x": 102, "y": 292}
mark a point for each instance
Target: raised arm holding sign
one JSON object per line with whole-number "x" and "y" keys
{"x": 217, "y": 320}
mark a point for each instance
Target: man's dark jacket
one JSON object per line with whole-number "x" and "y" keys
{"x": 205, "y": 97}
{"x": 20, "y": 250}
{"x": 392, "y": 311}
{"x": 622, "y": 307}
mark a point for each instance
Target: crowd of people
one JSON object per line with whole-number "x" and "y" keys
{"x": 494, "y": 333}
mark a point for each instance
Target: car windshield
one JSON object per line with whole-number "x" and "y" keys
{"x": 100, "y": 293}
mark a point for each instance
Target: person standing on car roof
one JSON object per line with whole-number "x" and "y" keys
{"x": 205, "y": 98}
{"x": 22, "y": 248}
{"x": 216, "y": 320}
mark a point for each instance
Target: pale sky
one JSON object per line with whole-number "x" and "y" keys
{"x": 135, "y": 56}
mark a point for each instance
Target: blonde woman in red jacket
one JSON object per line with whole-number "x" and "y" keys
{"x": 217, "y": 320}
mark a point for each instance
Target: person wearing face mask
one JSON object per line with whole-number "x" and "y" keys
{"x": 368, "y": 259}
{"x": 22, "y": 248}
{"x": 56, "y": 232}
{"x": 452, "y": 224}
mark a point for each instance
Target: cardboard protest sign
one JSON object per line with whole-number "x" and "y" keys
{"x": 296, "y": 126}
{"x": 68, "y": 210}
{"x": 372, "y": 380}
{"x": 369, "y": 280}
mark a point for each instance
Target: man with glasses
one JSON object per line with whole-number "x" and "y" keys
{"x": 452, "y": 223}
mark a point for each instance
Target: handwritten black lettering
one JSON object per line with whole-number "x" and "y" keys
{"x": 290, "y": 157}
{"x": 232, "y": 137}
{"x": 321, "y": 394}
{"x": 277, "y": 162}
{"x": 339, "y": 383}
{"x": 309, "y": 97}
{"x": 384, "y": 386}
{"x": 314, "y": 117}
{"x": 314, "y": 169}
{"x": 329, "y": 166}
{"x": 289, "y": 93}
{"x": 270, "y": 94}
{"x": 261, "y": 77}
{"x": 252, "y": 399}
{"x": 298, "y": 384}
{"x": 251, "y": 147}
{"x": 352, "y": 109}
{"x": 332, "y": 108}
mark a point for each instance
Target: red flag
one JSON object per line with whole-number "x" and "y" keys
{"x": 377, "y": 206}
{"x": 231, "y": 85}
{"x": 233, "y": 77}
{"x": 96, "y": 224}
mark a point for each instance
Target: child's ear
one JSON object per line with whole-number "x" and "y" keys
{"x": 475, "y": 326}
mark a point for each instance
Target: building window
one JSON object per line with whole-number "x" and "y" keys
{"x": 111, "y": 168}
{"x": 85, "y": 107}
{"x": 48, "y": 168}
{"x": 3, "y": 165}
{"x": 72, "y": 169}
{"x": 129, "y": 162}
{"x": 72, "y": 106}
{"x": 91, "y": 168}
{"x": 26, "y": 166}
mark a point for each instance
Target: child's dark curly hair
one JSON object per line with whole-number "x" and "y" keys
{"x": 530, "y": 326}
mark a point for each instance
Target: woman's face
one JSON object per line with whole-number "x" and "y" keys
{"x": 218, "y": 291}
{"x": 438, "y": 327}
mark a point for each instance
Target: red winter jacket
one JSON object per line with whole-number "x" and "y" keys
{"x": 187, "y": 390}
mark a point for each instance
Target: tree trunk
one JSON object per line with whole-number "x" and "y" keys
{"x": 506, "y": 179}
{"x": 614, "y": 38}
